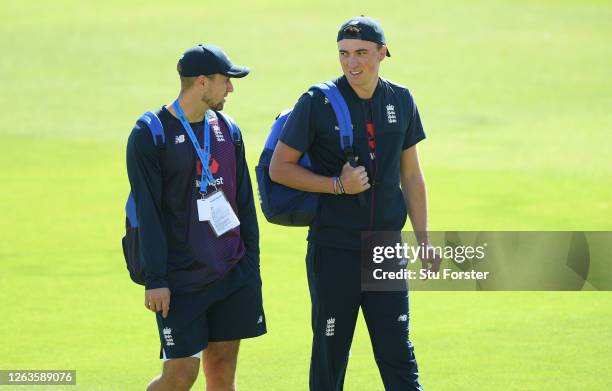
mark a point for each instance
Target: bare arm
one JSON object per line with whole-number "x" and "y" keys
{"x": 415, "y": 197}
{"x": 284, "y": 169}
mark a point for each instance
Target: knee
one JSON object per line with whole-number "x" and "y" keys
{"x": 180, "y": 377}
{"x": 221, "y": 364}
{"x": 220, "y": 369}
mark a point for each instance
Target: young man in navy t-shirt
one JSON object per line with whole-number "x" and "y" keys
{"x": 198, "y": 229}
{"x": 375, "y": 194}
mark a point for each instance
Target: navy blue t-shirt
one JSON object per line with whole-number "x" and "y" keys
{"x": 179, "y": 251}
{"x": 396, "y": 126}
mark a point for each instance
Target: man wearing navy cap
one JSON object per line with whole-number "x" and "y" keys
{"x": 376, "y": 193}
{"x": 198, "y": 231}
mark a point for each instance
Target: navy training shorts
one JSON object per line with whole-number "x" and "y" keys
{"x": 195, "y": 319}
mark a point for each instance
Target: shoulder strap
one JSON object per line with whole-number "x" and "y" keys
{"x": 236, "y": 136}
{"x": 343, "y": 116}
{"x": 335, "y": 98}
{"x": 234, "y": 130}
{"x": 159, "y": 139}
{"x": 155, "y": 126}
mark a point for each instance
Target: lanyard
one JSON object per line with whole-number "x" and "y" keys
{"x": 204, "y": 155}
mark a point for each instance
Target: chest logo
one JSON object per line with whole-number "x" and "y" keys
{"x": 214, "y": 124}
{"x": 212, "y": 165}
{"x": 179, "y": 139}
{"x": 391, "y": 118}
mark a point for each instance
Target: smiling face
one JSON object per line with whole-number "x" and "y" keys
{"x": 360, "y": 62}
{"x": 216, "y": 88}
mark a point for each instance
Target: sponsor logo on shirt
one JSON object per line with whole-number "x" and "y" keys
{"x": 218, "y": 182}
{"x": 214, "y": 168}
{"x": 179, "y": 139}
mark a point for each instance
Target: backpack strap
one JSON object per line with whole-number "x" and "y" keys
{"x": 151, "y": 120}
{"x": 343, "y": 116}
{"x": 155, "y": 127}
{"x": 236, "y": 136}
{"x": 233, "y": 128}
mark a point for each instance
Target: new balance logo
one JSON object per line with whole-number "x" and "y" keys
{"x": 179, "y": 139}
{"x": 402, "y": 318}
{"x": 331, "y": 327}
{"x": 391, "y": 118}
{"x": 260, "y": 320}
{"x": 167, "y": 331}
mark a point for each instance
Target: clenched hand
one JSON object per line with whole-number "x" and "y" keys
{"x": 354, "y": 179}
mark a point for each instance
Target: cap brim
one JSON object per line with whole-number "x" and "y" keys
{"x": 237, "y": 71}
{"x": 388, "y": 54}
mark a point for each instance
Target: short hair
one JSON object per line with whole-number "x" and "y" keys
{"x": 187, "y": 82}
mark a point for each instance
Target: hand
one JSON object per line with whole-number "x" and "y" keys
{"x": 354, "y": 179}
{"x": 158, "y": 300}
{"x": 432, "y": 258}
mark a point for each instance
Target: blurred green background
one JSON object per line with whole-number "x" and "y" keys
{"x": 515, "y": 97}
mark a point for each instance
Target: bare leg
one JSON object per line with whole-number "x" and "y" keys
{"x": 177, "y": 375}
{"x": 220, "y": 360}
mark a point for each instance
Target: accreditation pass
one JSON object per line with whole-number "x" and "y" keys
{"x": 216, "y": 209}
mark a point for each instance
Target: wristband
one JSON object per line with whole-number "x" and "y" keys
{"x": 341, "y": 186}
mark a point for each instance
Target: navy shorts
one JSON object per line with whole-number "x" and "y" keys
{"x": 195, "y": 319}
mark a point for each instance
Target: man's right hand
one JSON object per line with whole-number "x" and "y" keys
{"x": 158, "y": 300}
{"x": 354, "y": 179}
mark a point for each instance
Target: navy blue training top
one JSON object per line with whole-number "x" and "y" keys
{"x": 178, "y": 250}
{"x": 312, "y": 127}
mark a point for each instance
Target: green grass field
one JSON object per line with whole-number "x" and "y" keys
{"x": 515, "y": 97}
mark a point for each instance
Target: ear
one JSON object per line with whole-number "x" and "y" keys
{"x": 202, "y": 80}
{"x": 382, "y": 53}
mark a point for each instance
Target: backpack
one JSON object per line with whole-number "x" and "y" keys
{"x": 286, "y": 206}
{"x": 130, "y": 242}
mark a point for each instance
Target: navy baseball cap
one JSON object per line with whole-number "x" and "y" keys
{"x": 208, "y": 60}
{"x": 364, "y": 28}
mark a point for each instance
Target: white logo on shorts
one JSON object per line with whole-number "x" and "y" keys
{"x": 402, "y": 318}
{"x": 331, "y": 327}
{"x": 260, "y": 320}
{"x": 167, "y": 331}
